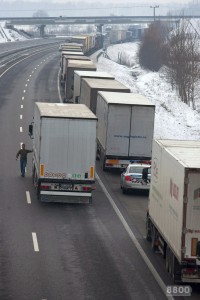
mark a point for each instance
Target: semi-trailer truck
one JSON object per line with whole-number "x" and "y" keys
{"x": 173, "y": 216}
{"x": 125, "y": 129}
{"x": 64, "y": 152}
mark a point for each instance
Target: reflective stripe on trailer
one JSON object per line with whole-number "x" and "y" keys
{"x": 65, "y": 193}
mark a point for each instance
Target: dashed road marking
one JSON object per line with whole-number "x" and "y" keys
{"x": 21, "y": 129}
{"x": 35, "y": 242}
{"x": 22, "y": 98}
{"x": 21, "y": 117}
{"x": 26, "y": 84}
{"x": 24, "y": 91}
{"x": 28, "y": 197}
{"x": 22, "y": 106}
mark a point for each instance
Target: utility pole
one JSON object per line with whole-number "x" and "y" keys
{"x": 154, "y": 11}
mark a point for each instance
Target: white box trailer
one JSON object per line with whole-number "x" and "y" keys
{"x": 173, "y": 218}
{"x": 79, "y": 75}
{"x": 67, "y": 53}
{"x": 125, "y": 128}
{"x": 70, "y": 46}
{"x": 64, "y": 63}
{"x": 91, "y": 86}
{"x": 72, "y": 66}
{"x": 64, "y": 145}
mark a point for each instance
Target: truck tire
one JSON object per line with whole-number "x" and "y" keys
{"x": 153, "y": 238}
{"x": 148, "y": 229}
{"x": 124, "y": 191}
{"x": 33, "y": 175}
{"x": 167, "y": 259}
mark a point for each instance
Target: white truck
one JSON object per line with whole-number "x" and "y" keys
{"x": 71, "y": 67}
{"x": 173, "y": 217}
{"x": 79, "y": 75}
{"x": 125, "y": 129}
{"x": 91, "y": 86}
{"x": 64, "y": 152}
{"x": 64, "y": 64}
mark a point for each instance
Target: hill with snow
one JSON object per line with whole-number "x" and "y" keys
{"x": 173, "y": 118}
{"x": 9, "y": 35}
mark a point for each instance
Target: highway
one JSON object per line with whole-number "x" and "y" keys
{"x": 52, "y": 251}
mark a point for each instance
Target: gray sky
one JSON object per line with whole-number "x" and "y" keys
{"x": 149, "y": 2}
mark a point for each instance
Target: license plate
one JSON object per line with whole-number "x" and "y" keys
{"x": 66, "y": 186}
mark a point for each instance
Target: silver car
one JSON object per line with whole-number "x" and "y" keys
{"x": 136, "y": 176}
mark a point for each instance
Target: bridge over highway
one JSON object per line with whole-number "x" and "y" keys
{"x": 41, "y": 22}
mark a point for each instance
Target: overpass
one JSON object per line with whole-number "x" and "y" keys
{"x": 41, "y": 22}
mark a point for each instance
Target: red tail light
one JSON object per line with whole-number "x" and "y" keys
{"x": 128, "y": 178}
{"x": 45, "y": 187}
{"x": 87, "y": 188}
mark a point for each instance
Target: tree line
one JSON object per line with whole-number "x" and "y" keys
{"x": 175, "y": 48}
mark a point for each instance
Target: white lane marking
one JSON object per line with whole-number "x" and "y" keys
{"x": 38, "y": 65}
{"x": 26, "y": 84}
{"x": 134, "y": 239}
{"x": 21, "y": 129}
{"x": 35, "y": 242}
{"x": 28, "y": 197}
{"x": 22, "y": 106}
{"x": 21, "y": 144}
{"x": 30, "y": 75}
{"x": 32, "y": 71}
{"x": 22, "y": 98}
{"x": 21, "y": 117}
{"x": 35, "y": 68}
{"x": 27, "y": 79}
{"x": 24, "y": 91}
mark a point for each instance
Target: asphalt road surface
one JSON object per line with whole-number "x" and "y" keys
{"x": 61, "y": 251}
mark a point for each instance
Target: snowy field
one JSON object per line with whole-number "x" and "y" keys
{"x": 173, "y": 119}
{"x": 8, "y": 35}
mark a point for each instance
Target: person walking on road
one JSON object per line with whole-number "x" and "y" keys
{"x": 23, "y": 158}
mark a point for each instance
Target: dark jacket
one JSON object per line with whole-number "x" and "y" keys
{"x": 23, "y": 153}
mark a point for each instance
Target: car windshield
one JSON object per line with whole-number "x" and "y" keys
{"x": 138, "y": 170}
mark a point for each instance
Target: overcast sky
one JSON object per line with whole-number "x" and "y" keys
{"x": 149, "y": 2}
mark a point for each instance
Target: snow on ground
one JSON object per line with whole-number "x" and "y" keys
{"x": 9, "y": 35}
{"x": 173, "y": 118}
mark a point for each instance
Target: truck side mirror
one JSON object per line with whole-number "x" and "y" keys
{"x": 30, "y": 130}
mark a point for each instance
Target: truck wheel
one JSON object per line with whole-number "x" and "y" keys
{"x": 33, "y": 175}
{"x": 148, "y": 230}
{"x": 177, "y": 272}
{"x": 170, "y": 263}
{"x": 153, "y": 238}
{"x": 124, "y": 191}
{"x": 167, "y": 259}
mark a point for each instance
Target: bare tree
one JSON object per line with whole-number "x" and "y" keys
{"x": 40, "y": 13}
{"x": 150, "y": 50}
{"x": 181, "y": 56}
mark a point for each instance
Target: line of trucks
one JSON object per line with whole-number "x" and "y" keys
{"x": 103, "y": 120}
